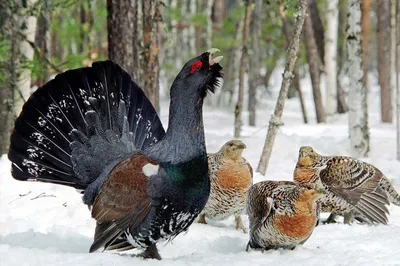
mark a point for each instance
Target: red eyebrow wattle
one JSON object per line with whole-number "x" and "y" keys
{"x": 196, "y": 66}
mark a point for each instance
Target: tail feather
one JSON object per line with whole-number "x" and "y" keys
{"x": 394, "y": 196}
{"x": 80, "y": 123}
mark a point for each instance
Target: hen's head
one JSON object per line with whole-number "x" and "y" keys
{"x": 307, "y": 156}
{"x": 233, "y": 149}
{"x": 199, "y": 75}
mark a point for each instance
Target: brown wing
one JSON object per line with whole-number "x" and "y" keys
{"x": 258, "y": 206}
{"x": 357, "y": 183}
{"x": 122, "y": 201}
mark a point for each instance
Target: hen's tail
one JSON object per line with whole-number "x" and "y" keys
{"x": 394, "y": 196}
{"x": 75, "y": 128}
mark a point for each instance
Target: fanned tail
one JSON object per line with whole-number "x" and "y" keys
{"x": 79, "y": 125}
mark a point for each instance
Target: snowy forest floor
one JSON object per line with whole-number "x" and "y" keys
{"x": 43, "y": 224}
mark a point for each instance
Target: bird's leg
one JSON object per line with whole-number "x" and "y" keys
{"x": 331, "y": 219}
{"x": 202, "y": 219}
{"x": 151, "y": 252}
{"x": 239, "y": 224}
{"x": 348, "y": 218}
{"x": 248, "y": 246}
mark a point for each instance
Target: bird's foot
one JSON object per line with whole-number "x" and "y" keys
{"x": 202, "y": 219}
{"x": 239, "y": 224}
{"x": 151, "y": 252}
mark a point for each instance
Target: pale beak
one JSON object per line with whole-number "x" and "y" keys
{"x": 211, "y": 60}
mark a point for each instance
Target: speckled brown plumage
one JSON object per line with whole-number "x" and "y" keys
{"x": 231, "y": 176}
{"x": 354, "y": 188}
{"x": 282, "y": 214}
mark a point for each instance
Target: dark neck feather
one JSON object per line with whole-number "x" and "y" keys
{"x": 184, "y": 139}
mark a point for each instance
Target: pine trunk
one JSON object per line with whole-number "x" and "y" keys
{"x": 366, "y": 32}
{"x": 314, "y": 67}
{"x": 254, "y": 61}
{"x": 276, "y": 119}
{"x": 301, "y": 98}
{"x": 358, "y": 114}
{"x": 151, "y": 46}
{"x": 330, "y": 57}
{"x": 384, "y": 59}
{"x": 192, "y": 30}
{"x": 317, "y": 28}
{"x": 242, "y": 70}
{"x": 121, "y": 22}
{"x": 42, "y": 42}
{"x": 341, "y": 55}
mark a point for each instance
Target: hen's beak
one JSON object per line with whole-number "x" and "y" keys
{"x": 211, "y": 60}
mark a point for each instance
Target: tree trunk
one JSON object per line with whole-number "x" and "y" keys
{"x": 121, "y": 21}
{"x": 301, "y": 98}
{"x": 151, "y": 17}
{"x": 42, "y": 42}
{"x": 398, "y": 75}
{"x": 330, "y": 57}
{"x": 314, "y": 66}
{"x": 242, "y": 69}
{"x": 27, "y": 30}
{"x": 341, "y": 103}
{"x": 208, "y": 11}
{"x": 358, "y": 113}
{"x": 8, "y": 72}
{"x": 254, "y": 61}
{"x": 341, "y": 51}
{"x": 192, "y": 30}
{"x": 366, "y": 32}
{"x": 341, "y": 55}
{"x": 276, "y": 119}
{"x": 384, "y": 59}
{"x": 317, "y": 28}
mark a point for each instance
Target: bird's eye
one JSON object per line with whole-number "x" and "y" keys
{"x": 196, "y": 66}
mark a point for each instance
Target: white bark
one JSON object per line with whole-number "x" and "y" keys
{"x": 397, "y": 23}
{"x": 358, "y": 115}
{"x": 28, "y": 29}
{"x": 331, "y": 36}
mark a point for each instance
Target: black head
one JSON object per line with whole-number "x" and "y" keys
{"x": 199, "y": 75}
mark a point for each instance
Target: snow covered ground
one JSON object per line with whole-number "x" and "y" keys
{"x": 43, "y": 224}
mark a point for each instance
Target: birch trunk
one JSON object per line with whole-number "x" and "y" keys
{"x": 358, "y": 113}
{"x": 254, "y": 61}
{"x": 8, "y": 73}
{"x": 276, "y": 119}
{"x": 330, "y": 57}
{"x": 384, "y": 59}
{"x": 314, "y": 66}
{"x": 398, "y": 75}
{"x": 28, "y": 30}
{"x": 242, "y": 70}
